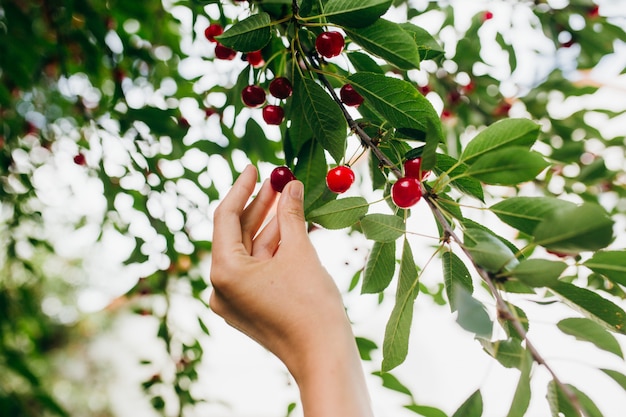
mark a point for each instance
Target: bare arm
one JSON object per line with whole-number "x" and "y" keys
{"x": 270, "y": 285}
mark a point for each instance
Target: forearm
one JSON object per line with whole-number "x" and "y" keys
{"x": 331, "y": 379}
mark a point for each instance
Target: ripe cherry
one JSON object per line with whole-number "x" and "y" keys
{"x": 280, "y": 176}
{"x": 213, "y": 30}
{"x": 329, "y": 44}
{"x": 406, "y": 192}
{"x": 253, "y": 96}
{"x": 255, "y": 58}
{"x": 413, "y": 169}
{"x": 349, "y": 96}
{"x": 339, "y": 179}
{"x": 223, "y": 52}
{"x": 281, "y": 88}
{"x": 79, "y": 159}
{"x": 487, "y": 15}
{"x": 273, "y": 115}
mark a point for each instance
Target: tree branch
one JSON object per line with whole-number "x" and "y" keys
{"x": 430, "y": 198}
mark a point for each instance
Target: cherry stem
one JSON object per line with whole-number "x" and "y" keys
{"x": 503, "y": 308}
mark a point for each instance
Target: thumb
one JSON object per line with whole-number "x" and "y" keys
{"x": 290, "y": 212}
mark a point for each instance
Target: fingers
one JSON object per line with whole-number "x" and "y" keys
{"x": 254, "y": 215}
{"x": 290, "y": 213}
{"x": 227, "y": 233}
{"x": 266, "y": 243}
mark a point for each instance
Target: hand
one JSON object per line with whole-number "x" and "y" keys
{"x": 270, "y": 285}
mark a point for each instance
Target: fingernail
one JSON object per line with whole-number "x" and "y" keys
{"x": 296, "y": 190}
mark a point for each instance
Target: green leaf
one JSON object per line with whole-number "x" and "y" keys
{"x": 472, "y": 315}
{"x": 472, "y": 407}
{"x": 502, "y": 134}
{"x": 364, "y": 63}
{"x": 509, "y": 352}
{"x": 561, "y": 405}
{"x": 388, "y": 41}
{"x": 426, "y": 411}
{"x": 592, "y": 306}
{"x": 590, "y": 331}
{"x": 381, "y": 265}
{"x": 366, "y": 347}
{"x": 525, "y": 213}
{"x": 509, "y": 166}
{"x": 392, "y": 383}
{"x": 455, "y": 274}
{"x": 400, "y": 103}
{"x": 250, "y": 34}
{"x": 323, "y": 116}
{"x": 311, "y": 170}
{"x": 611, "y": 264}
{"x": 427, "y": 45}
{"x": 521, "y": 399}
{"x": 355, "y": 13}
{"x": 538, "y": 272}
{"x": 488, "y": 251}
{"x": 398, "y": 329}
{"x": 340, "y": 213}
{"x": 455, "y": 170}
{"x": 382, "y": 227}
{"x": 582, "y": 228}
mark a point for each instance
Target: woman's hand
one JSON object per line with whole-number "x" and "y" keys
{"x": 269, "y": 283}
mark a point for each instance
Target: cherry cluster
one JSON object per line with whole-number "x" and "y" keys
{"x": 254, "y": 96}
{"x": 407, "y": 191}
{"x": 255, "y": 58}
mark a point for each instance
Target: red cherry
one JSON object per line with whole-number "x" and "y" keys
{"x": 413, "y": 169}
{"x": 487, "y": 16}
{"x": 406, "y": 192}
{"x": 329, "y": 44}
{"x": 210, "y": 111}
{"x": 253, "y": 96}
{"x": 424, "y": 89}
{"x": 349, "y": 96}
{"x": 273, "y": 115}
{"x": 339, "y": 179}
{"x": 223, "y": 52}
{"x": 212, "y": 31}
{"x": 281, "y": 88}
{"x": 280, "y": 176}
{"x": 79, "y": 159}
{"x": 255, "y": 58}
{"x": 594, "y": 11}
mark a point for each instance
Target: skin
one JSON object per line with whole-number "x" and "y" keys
{"x": 270, "y": 284}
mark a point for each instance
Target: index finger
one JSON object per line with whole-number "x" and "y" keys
{"x": 227, "y": 234}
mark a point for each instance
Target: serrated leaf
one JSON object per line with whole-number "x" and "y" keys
{"x": 381, "y": 265}
{"x": 472, "y": 315}
{"x": 581, "y": 228}
{"x": 426, "y": 45}
{"x": 611, "y": 264}
{"x": 538, "y": 272}
{"x": 323, "y": 116}
{"x": 561, "y": 405}
{"x": 388, "y": 41}
{"x": 400, "y": 103}
{"x": 488, "y": 251}
{"x": 250, "y": 34}
{"x": 398, "y": 329}
{"x": 592, "y": 306}
{"x": 501, "y": 134}
{"x": 455, "y": 273}
{"x": 509, "y": 166}
{"x": 355, "y": 13}
{"x": 382, "y": 227}
{"x": 340, "y": 213}
{"x": 525, "y": 213}
{"x": 590, "y": 331}
{"x": 472, "y": 407}
{"x": 364, "y": 63}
